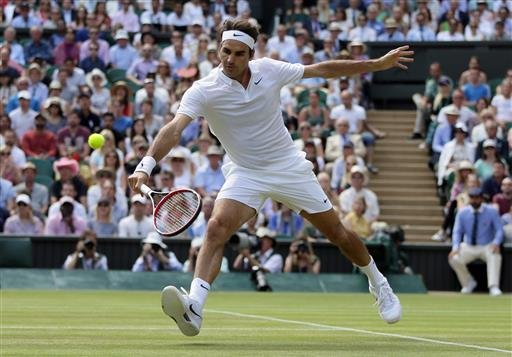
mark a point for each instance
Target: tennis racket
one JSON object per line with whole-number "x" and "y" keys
{"x": 174, "y": 211}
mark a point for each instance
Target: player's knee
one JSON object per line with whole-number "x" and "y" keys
{"x": 218, "y": 231}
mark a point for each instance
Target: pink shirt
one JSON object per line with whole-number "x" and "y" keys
{"x": 56, "y": 226}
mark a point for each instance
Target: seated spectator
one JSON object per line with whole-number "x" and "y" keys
{"x": 475, "y": 89}
{"x": 198, "y": 228}
{"x": 113, "y": 161}
{"x": 122, "y": 54}
{"x": 281, "y": 42}
{"x": 69, "y": 48}
{"x": 499, "y": 33}
{"x": 180, "y": 167}
{"x": 7, "y": 87}
{"x": 98, "y": 157}
{"x": 39, "y": 143}
{"x": 126, "y": 18}
{"x": 11, "y": 69}
{"x": 190, "y": 264}
{"x": 392, "y": 33}
{"x": 472, "y": 32}
{"x": 65, "y": 222}
{"x": 54, "y": 115}
{"x": 503, "y": 103}
{"x": 492, "y": 132}
{"x": 25, "y": 19}
{"x": 37, "y": 88}
{"x": 342, "y": 166}
{"x": 265, "y": 259}
{"x": 17, "y": 154}
{"x": 301, "y": 258}
{"x": 357, "y": 189}
{"x": 36, "y": 191}
{"x": 102, "y": 222}
{"x": 154, "y": 257}
{"x": 336, "y": 142}
{"x": 8, "y": 169}
{"x": 7, "y": 195}
{"x": 68, "y": 191}
{"x": 37, "y": 47}
{"x": 422, "y": 32}
{"x": 452, "y": 34}
{"x": 209, "y": 178}
{"x": 103, "y": 46}
{"x": 443, "y": 134}
{"x": 17, "y": 53}
{"x": 316, "y": 115}
{"x": 72, "y": 139}
{"x": 453, "y": 152}
{"x": 137, "y": 224}
{"x": 23, "y": 222}
{"x": 485, "y": 165}
{"x": 67, "y": 169}
{"x": 199, "y": 157}
{"x": 152, "y": 122}
{"x": 23, "y": 117}
{"x": 100, "y": 96}
{"x": 487, "y": 125}
{"x": 22, "y": 84}
{"x": 305, "y": 135}
{"x": 122, "y": 122}
{"x": 362, "y": 31}
{"x": 92, "y": 60}
{"x": 85, "y": 255}
{"x": 503, "y": 201}
{"x": 75, "y": 75}
{"x": 139, "y": 69}
{"x": 356, "y": 221}
{"x": 314, "y": 157}
{"x": 119, "y": 206}
{"x": 478, "y": 234}
{"x": 284, "y": 221}
{"x": 492, "y": 185}
{"x": 325, "y": 182}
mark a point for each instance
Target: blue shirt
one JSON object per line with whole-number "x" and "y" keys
{"x": 423, "y": 34}
{"x": 20, "y": 22}
{"x": 473, "y": 93}
{"x": 14, "y": 103}
{"x": 7, "y": 192}
{"x": 121, "y": 124}
{"x": 489, "y": 226}
{"x": 442, "y": 135}
{"x": 290, "y": 228}
{"x": 88, "y": 64}
{"x": 123, "y": 57}
{"x": 41, "y": 49}
{"x": 396, "y": 36}
{"x": 209, "y": 179}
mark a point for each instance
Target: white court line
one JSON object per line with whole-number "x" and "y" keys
{"x": 367, "y": 332}
{"x": 139, "y": 328}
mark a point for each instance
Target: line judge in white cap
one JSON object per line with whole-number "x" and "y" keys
{"x": 240, "y": 101}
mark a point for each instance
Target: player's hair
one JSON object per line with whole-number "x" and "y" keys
{"x": 239, "y": 25}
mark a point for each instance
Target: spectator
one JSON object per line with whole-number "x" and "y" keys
{"x": 392, "y": 33}
{"x": 154, "y": 16}
{"x": 199, "y": 157}
{"x": 93, "y": 60}
{"x": 466, "y": 115}
{"x": 38, "y": 89}
{"x": 65, "y": 222}
{"x": 281, "y": 43}
{"x": 357, "y": 189}
{"x": 103, "y": 47}
{"x": 22, "y": 84}
{"x": 284, "y": 221}
{"x": 37, "y": 47}
{"x": 180, "y": 166}
{"x": 140, "y": 68}
{"x": 17, "y": 155}
{"x": 121, "y": 92}
{"x": 453, "y": 152}
{"x": 301, "y": 258}
{"x": 125, "y": 17}
{"x": 39, "y": 143}
{"x": 88, "y": 118}
{"x": 137, "y": 224}
{"x": 492, "y": 185}
{"x": 327, "y": 52}
{"x": 209, "y": 178}
{"x": 72, "y": 139}
{"x": 153, "y": 256}
{"x": 473, "y": 32}
{"x": 305, "y": 135}
{"x": 23, "y": 222}
{"x": 100, "y": 96}
{"x": 356, "y": 221}
{"x": 8, "y": 169}
{"x": 484, "y": 165}
{"x": 68, "y": 12}
{"x": 362, "y": 31}
{"x": 23, "y": 117}
{"x": 25, "y": 19}
{"x": 474, "y": 63}
{"x": 503, "y": 201}
{"x": 491, "y": 132}
{"x": 164, "y": 78}
{"x": 7, "y": 87}
{"x": 422, "y": 32}
{"x": 69, "y": 48}
{"x": 337, "y": 34}
{"x": 443, "y": 134}
{"x": 67, "y": 169}
{"x": 7, "y": 195}
{"x": 102, "y": 223}
{"x": 36, "y": 191}
{"x": 17, "y": 53}
{"x": 336, "y": 142}
{"x": 478, "y": 233}
{"x": 85, "y": 255}
{"x": 54, "y": 114}
{"x": 452, "y": 34}
{"x": 475, "y": 89}
{"x": 265, "y": 259}
{"x": 316, "y": 114}
{"x": 75, "y": 75}
{"x": 11, "y": 68}
{"x": 157, "y": 99}
{"x": 502, "y": 103}
{"x": 122, "y": 54}
{"x": 67, "y": 90}
{"x": 68, "y": 190}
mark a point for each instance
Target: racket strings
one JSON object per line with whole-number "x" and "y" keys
{"x": 176, "y": 212}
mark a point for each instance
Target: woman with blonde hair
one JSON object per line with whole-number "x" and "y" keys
{"x": 102, "y": 222}
{"x": 23, "y": 222}
{"x": 356, "y": 221}
{"x": 97, "y": 158}
{"x": 113, "y": 162}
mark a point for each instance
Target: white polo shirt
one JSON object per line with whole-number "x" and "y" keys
{"x": 248, "y": 122}
{"x": 353, "y": 115}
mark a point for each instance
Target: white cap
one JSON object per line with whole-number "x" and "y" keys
{"x": 197, "y": 242}
{"x": 154, "y": 238}
{"x": 23, "y": 198}
{"x": 139, "y": 199}
{"x": 265, "y": 232}
{"x": 24, "y": 94}
{"x": 67, "y": 199}
{"x": 121, "y": 35}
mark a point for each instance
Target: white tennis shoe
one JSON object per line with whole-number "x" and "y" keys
{"x": 390, "y": 309}
{"x": 182, "y": 309}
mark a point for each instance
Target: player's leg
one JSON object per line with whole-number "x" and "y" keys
{"x": 353, "y": 248}
{"x": 186, "y": 309}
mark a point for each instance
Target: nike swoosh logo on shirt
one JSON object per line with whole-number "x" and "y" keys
{"x": 195, "y": 313}
{"x": 325, "y": 201}
{"x": 259, "y": 80}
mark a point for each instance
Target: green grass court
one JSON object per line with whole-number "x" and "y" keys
{"x": 119, "y": 323}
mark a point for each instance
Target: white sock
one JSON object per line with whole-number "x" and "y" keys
{"x": 199, "y": 290}
{"x": 375, "y": 277}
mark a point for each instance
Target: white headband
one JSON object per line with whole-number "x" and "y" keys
{"x": 238, "y": 36}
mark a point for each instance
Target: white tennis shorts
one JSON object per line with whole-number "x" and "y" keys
{"x": 298, "y": 189}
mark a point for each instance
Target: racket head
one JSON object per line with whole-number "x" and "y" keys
{"x": 176, "y": 211}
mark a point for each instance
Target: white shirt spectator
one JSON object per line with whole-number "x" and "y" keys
{"x": 503, "y": 107}
{"x": 271, "y": 261}
{"x": 22, "y": 121}
{"x": 363, "y": 34}
{"x": 78, "y": 210}
{"x": 353, "y": 115}
{"x": 348, "y": 197}
{"x": 193, "y": 11}
{"x": 447, "y": 36}
{"x": 470, "y": 36}
{"x": 173, "y": 265}
{"x": 169, "y": 55}
{"x": 129, "y": 20}
{"x": 149, "y": 16}
{"x": 282, "y": 47}
{"x": 479, "y": 133}
{"x": 18, "y": 156}
{"x": 76, "y": 80}
{"x": 130, "y": 227}
{"x": 174, "y": 20}
{"x": 467, "y": 116}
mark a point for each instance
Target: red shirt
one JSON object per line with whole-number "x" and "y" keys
{"x": 35, "y": 143}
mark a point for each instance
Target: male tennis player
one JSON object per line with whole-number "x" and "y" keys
{"x": 240, "y": 101}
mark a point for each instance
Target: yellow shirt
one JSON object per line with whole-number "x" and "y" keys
{"x": 359, "y": 225}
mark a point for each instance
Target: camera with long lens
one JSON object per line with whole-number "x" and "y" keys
{"x": 259, "y": 279}
{"x": 241, "y": 240}
{"x": 302, "y": 248}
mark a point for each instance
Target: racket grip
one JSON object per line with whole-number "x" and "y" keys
{"x": 145, "y": 190}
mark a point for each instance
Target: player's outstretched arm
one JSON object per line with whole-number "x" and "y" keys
{"x": 167, "y": 138}
{"x": 337, "y": 68}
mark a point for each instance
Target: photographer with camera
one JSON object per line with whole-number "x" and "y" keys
{"x": 85, "y": 255}
{"x": 153, "y": 256}
{"x": 301, "y": 258}
{"x": 190, "y": 264}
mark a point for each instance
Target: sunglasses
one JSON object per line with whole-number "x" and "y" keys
{"x": 6, "y": 153}
{"x": 103, "y": 204}
{"x": 21, "y": 204}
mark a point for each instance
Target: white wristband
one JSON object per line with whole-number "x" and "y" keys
{"x": 146, "y": 165}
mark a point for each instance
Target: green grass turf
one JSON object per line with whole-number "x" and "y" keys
{"x": 131, "y": 323}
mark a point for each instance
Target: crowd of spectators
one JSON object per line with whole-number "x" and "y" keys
{"x": 85, "y": 67}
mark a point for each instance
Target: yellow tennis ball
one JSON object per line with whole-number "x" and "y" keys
{"x": 96, "y": 140}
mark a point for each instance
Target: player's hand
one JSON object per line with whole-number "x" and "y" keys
{"x": 80, "y": 246}
{"x": 136, "y": 180}
{"x": 396, "y": 58}
{"x": 495, "y": 249}
{"x": 146, "y": 249}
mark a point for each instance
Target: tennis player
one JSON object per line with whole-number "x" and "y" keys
{"x": 240, "y": 101}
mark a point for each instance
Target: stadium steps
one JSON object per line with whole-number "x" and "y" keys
{"x": 406, "y": 188}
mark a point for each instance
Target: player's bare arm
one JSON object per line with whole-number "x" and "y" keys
{"x": 337, "y": 68}
{"x": 167, "y": 138}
